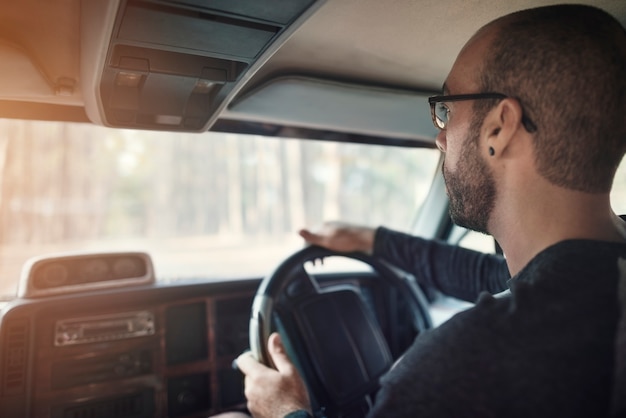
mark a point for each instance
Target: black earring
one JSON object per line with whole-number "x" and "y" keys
{"x": 492, "y": 151}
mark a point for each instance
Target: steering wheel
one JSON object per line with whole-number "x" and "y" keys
{"x": 330, "y": 334}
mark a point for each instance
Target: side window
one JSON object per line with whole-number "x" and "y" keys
{"x": 479, "y": 242}
{"x": 618, "y": 193}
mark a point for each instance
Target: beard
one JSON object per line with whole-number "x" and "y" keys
{"x": 471, "y": 188}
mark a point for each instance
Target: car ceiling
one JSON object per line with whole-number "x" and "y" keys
{"x": 56, "y": 57}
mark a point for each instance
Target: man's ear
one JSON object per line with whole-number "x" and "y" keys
{"x": 501, "y": 125}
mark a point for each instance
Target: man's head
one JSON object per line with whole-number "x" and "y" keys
{"x": 561, "y": 67}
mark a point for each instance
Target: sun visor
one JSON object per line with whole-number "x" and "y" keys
{"x": 321, "y": 104}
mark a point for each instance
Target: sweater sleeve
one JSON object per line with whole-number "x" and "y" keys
{"x": 453, "y": 270}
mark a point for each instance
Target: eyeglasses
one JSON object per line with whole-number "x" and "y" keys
{"x": 439, "y": 111}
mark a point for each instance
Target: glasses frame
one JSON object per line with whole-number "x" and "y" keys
{"x": 439, "y": 124}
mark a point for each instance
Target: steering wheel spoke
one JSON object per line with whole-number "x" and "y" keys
{"x": 301, "y": 285}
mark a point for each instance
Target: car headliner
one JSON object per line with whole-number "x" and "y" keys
{"x": 403, "y": 44}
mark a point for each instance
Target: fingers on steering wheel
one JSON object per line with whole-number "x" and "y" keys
{"x": 278, "y": 353}
{"x": 310, "y": 237}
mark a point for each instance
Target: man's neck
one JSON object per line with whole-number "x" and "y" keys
{"x": 533, "y": 224}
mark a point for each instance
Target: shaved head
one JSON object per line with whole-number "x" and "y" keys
{"x": 577, "y": 101}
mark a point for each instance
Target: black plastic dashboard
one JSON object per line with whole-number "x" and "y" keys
{"x": 141, "y": 352}
{"x": 146, "y": 351}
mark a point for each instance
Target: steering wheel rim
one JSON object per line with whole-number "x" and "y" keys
{"x": 290, "y": 277}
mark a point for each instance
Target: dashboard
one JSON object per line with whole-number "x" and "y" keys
{"x": 143, "y": 350}
{"x": 139, "y": 352}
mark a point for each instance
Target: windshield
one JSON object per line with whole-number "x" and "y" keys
{"x": 207, "y": 206}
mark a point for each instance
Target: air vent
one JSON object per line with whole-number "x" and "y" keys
{"x": 15, "y": 349}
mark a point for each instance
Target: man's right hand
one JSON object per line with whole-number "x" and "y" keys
{"x": 341, "y": 237}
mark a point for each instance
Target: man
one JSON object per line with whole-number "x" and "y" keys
{"x": 532, "y": 126}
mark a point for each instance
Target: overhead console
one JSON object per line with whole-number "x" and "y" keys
{"x": 171, "y": 65}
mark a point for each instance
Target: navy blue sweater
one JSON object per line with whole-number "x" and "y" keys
{"x": 546, "y": 349}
